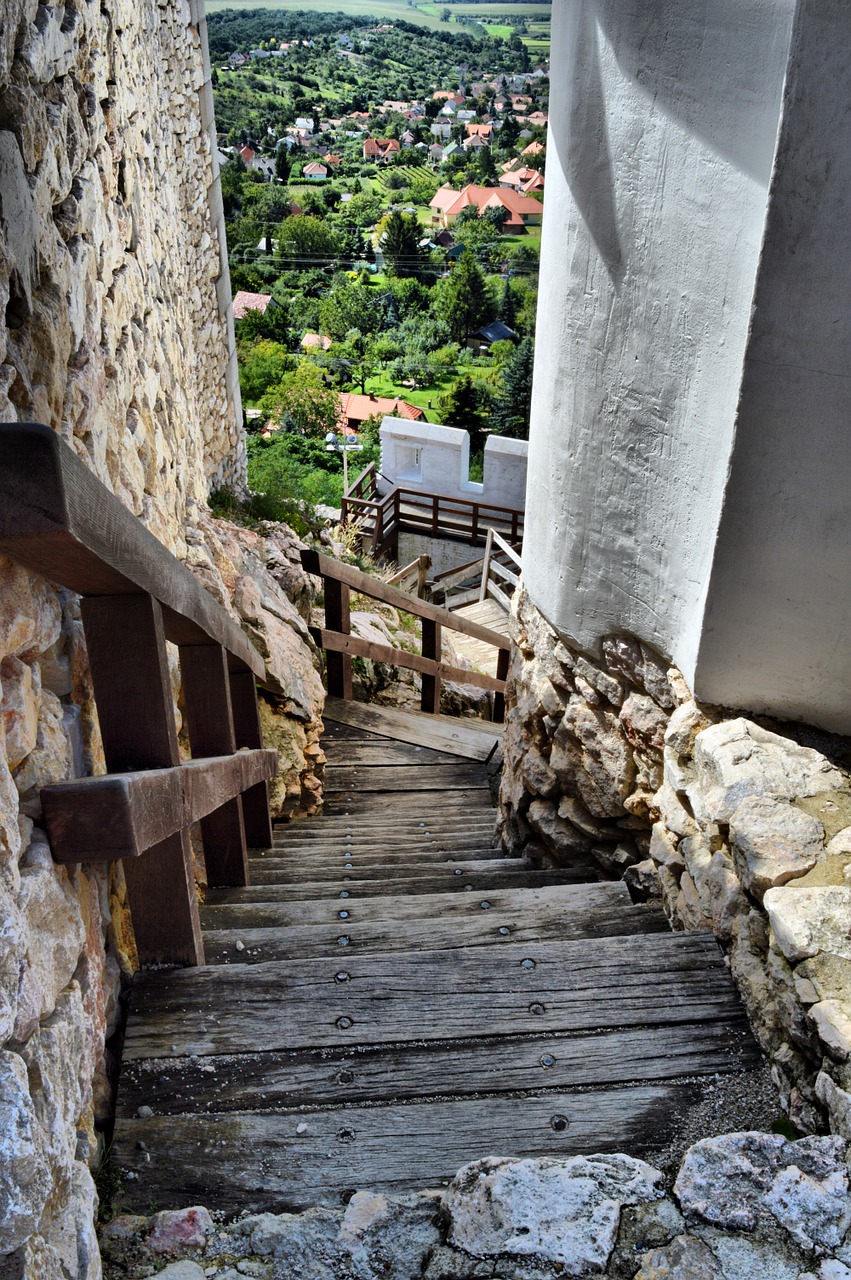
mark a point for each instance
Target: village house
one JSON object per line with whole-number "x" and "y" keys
{"x": 315, "y": 171}
{"x": 244, "y": 301}
{"x": 315, "y": 342}
{"x": 475, "y": 142}
{"x": 522, "y": 210}
{"x": 355, "y": 409}
{"x": 483, "y": 131}
{"x": 524, "y": 180}
{"x": 441, "y": 129}
{"x": 380, "y": 150}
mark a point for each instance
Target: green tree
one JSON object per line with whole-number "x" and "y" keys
{"x": 463, "y": 300}
{"x": 302, "y": 402}
{"x": 507, "y": 309}
{"x": 400, "y": 244}
{"x": 511, "y": 412}
{"x": 304, "y": 240}
{"x": 460, "y": 406}
{"x": 262, "y": 366}
{"x": 351, "y": 306}
{"x": 272, "y": 323}
{"x": 282, "y": 164}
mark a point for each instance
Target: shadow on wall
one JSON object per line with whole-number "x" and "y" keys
{"x": 678, "y": 53}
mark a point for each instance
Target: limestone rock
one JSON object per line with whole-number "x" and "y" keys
{"x": 49, "y": 761}
{"x": 737, "y": 758}
{"x": 173, "y": 1230}
{"x": 21, "y": 689}
{"x": 772, "y": 843}
{"x": 644, "y": 722}
{"x": 808, "y": 920}
{"x": 30, "y": 616}
{"x": 685, "y": 723}
{"x": 593, "y": 760}
{"x": 295, "y": 1239}
{"x": 565, "y": 1212}
{"x": 735, "y": 1182}
{"x": 25, "y": 1181}
{"x": 838, "y": 1103}
{"x": 685, "y": 1258}
{"x": 55, "y": 932}
{"x": 182, "y": 1270}
{"x": 833, "y": 1026}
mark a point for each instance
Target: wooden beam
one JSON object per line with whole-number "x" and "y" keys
{"x": 355, "y": 646}
{"x": 338, "y": 663}
{"x": 470, "y": 739}
{"x": 121, "y": 815}
{"x": 334, "y": 570}
{"x": 431, "y": 680}
{"x": 59, "y": 520}
{"x": 246, "y": 725}
{"x": 209, "y": 718}
{"x": 125, "y": 638}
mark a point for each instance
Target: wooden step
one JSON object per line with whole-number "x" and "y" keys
{"x": 426, "y": 922}
{"x": 319, "y": 1078}
{"x": 398, "y": 858}
{"x": 293, "y": 1160}
{"x": 468, "y": 738}
{"x": 573, "y": 900}
{"x": 429, "y": 880}
{"x": 660, "y": 979}
{"x": 298, "y": 874}
{"x": 454, "y": 777}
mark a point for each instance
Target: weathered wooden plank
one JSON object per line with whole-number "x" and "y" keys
{"x": 373, "y": 1074}
{"x": 327, "y": 831}
{"x": 458, "y": 777}
{"x": 366, "y": 873}
{"x": 656, "y": 980}
{"x": 474, "y": 920}
{"x": 121, "y": 815}
{"x": 246, "y": 725}
{"x": 468, "y": 738}
{"x": 316, "y": 563}
{"x": 129, "y": 668}
{"x": 306, "y": 864}
{"x": 488, "y": 875}
{"x": 202, "y": 1158}
{"x": 209, "y": 720}
{"x": 334, "y": 642}
{"x": 381, "y": 752}
{"x": 58, "y": 519}
{"x": 574, "y": 905}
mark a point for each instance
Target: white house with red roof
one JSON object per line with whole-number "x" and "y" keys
{"x": 522, "y": 210}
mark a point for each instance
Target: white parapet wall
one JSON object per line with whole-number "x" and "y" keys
{"x": 689, "y": 451}
{"x": 433, "y": 459}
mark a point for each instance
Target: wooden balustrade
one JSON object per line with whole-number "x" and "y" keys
{"x": 57, "y": 519}
{"x": 341, "y": 646}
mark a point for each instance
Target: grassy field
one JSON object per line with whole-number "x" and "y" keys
{"x": 381, "y": 10}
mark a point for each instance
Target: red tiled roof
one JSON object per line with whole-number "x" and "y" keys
{"x": 534, "y": 149}
{"x": 355, "y": 407}
{"x": 244, "y": 301}
{"x": 247, "y": 153}
{"x": 316, "y": 340}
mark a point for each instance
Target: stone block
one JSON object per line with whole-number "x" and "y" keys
{"x": 562, "y": 1211}
{"x": 772, "y": 842}
{"x": 806, "y": 921}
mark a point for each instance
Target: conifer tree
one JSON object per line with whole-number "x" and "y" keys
{"x": 466, "y": 301}
{"x": 400, "y": 244}
{"x": 512, "y": 410}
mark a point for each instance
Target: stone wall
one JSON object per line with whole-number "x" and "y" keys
{"x": 742, "y": 1205}
{"x": 737, "y": 826}
{"x": 114, "y": 331}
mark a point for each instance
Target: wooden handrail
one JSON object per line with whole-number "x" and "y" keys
{"x": 59, "y": 520}
{"x": 340, "y": 645}
{"x": 414, "y": 573}
{"x": 334, "y": 570}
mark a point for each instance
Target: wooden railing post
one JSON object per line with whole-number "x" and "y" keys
{"x": 432, "y": 644}
{"x": 247, "y": 731}
{"x": 209, "y": 719}
{"x": 338, "y": 618}
{"x": 435, "y": 515}
{"x": 474, "y": 530}
{"x": 502, "y": 663}
{"x": 486, "y": 566}
{"x": 129, "y": 668}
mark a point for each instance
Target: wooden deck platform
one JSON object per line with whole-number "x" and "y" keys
{"x": 489, "y": 614}
{"x": 391, "y": 998}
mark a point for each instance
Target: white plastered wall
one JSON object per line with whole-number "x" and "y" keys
{"x": 663, "y": 127}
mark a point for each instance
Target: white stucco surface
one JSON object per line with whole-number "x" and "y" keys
{"x": 433, "y": 459}
{"x": 777, "y": 629}
{"x": 663, "y": 126}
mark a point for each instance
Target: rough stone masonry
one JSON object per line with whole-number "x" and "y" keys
{"x": 115, "y": 332}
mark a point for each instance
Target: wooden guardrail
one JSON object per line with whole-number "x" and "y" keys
{"x": 340, "y": 646}
{"x": 412, "y": 510}
{"x": 456, "y": 587}
{"x": 57, "y": 519}
{"x": 493, "y": 567}
{"x": 413, "y": 575}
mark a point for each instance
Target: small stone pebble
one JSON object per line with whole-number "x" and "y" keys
{"x": 145, "y": 1113}
{"x": 240, "y": 945}
{"x": 301, "y": 1128}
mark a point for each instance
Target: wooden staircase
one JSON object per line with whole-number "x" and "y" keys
{"x": 391, "y": 998}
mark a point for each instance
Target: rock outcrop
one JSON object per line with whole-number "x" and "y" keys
{"x": 610, "y": 765}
